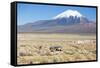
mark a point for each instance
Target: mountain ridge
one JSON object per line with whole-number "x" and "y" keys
{"x": 65, "y": 24}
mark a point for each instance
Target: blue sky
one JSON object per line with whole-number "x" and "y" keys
{"x": 28, "y": 13}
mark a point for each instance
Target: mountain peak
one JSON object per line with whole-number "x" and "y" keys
{"x": 68, "y": 13}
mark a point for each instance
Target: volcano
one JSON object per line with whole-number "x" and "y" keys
{"x": 69, "y": 21}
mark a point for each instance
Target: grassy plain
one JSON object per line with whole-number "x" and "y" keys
{"x": 34, "y": 48}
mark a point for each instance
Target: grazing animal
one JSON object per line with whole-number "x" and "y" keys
{"x": 55, "y": 48}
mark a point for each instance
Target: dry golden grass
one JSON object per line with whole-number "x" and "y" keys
{"x": 35, "y": 48}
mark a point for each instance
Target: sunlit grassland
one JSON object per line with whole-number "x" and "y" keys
{"x": 34, "y": 48}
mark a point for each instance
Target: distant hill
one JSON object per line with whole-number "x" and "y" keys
{"x": 70, "y": 21}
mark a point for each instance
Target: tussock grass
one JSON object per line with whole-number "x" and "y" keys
{"x": 35, "y": 48}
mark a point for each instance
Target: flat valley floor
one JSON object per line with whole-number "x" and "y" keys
{"x": 35, "y": 48}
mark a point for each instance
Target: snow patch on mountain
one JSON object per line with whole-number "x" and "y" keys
{"x": 69, "y": 13}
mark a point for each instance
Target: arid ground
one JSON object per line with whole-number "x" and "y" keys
{"x": 35, "y": 48}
